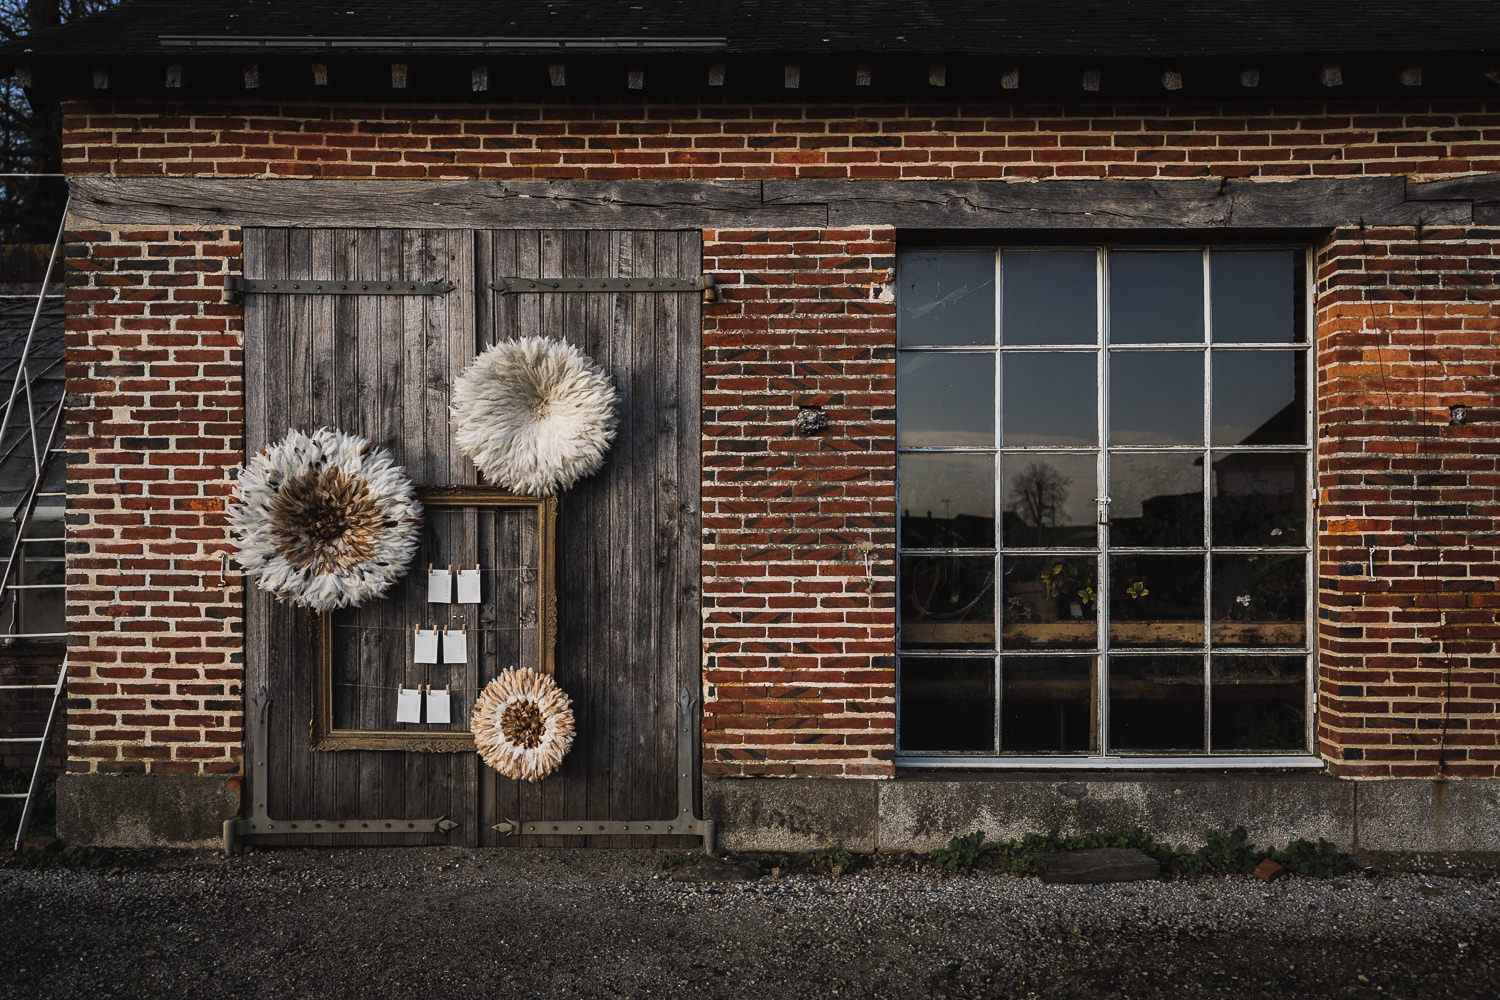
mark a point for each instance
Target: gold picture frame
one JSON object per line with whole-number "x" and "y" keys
{"x": 324, "y": 736}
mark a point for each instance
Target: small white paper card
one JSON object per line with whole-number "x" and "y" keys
{"x": 468, "y": 586}
{"x": 426, "y": 646}
{"x": 409, "y": 705}
{"x": 439, "y": 586}
{"x": 437, "y": 706}
{"x": 455, "y": 647}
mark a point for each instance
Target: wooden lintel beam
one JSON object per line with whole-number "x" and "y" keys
{"x": 1184, "y": 205}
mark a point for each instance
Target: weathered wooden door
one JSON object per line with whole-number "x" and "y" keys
{"x": 627, "y": 553}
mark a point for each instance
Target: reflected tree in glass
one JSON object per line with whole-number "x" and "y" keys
{"x": 1037, "y": 495}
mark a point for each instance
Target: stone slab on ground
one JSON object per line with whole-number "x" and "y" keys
{"x": 1098, "y": 864}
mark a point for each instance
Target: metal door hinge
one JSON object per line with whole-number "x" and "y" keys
{"x": 285, "y": 286}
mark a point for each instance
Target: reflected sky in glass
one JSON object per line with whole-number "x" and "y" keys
{"x": 1049, "y": 297}
{"x": 1050, "y": 399}
{"x": 1156, "y": 397}
{"x": 1155, "y": 297}
{"x": 1256, "y": 296}
{"x": 948, "y": 486}
{"x": 945, "y": 299}
{"x": 946, "y": 400}
{"x": 1259, "y": 398}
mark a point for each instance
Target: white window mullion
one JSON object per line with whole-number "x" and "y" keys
{"x": 1101, "y": 532}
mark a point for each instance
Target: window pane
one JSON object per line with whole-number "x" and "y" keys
{"x": 948, "y": 601}
{"x": 1046, "y": 704}
{"x": 1259, "y": 703}
{"x": 1257, "y": 296}
{"x": 946, "y": 400}
{"x": 945, "y": 299}
{"x": 948, "y": 704}
{"x": 947, "y": 501}
{"x": 1156, "y": 600}
{"x": 1050, "y": 602}
{"x": 1155, "y": 397}
{"x": 1049, "y": 500}
{"x": 1260, "y": 498}
{"x": 1049, "y": 399}
{"x": 1259, "y": 600}
{"x": 1156, "y": 703}
{"x": 1155, "y": 297}
{"x": 1260, "y": 397}
{"x": 1156, "y": 498}
{"x": 1048, "y": 297}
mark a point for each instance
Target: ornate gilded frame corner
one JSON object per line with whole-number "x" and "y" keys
{"x": 322, "y": 734}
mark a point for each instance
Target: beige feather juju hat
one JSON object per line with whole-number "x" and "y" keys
{"x": 535, "y": 415}
{"x": 523, "y": 724}
{"x": 325, "y": 520}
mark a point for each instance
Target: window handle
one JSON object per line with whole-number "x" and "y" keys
{"x": 1103, "y": 503}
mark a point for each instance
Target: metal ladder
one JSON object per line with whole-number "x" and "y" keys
{"x": 29, "y": 433}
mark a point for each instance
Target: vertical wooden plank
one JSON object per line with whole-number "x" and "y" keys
{"x": 616, "y": 591}
{"x": 416, "y": 337}
{"x": 645, "y": 616}
{"x": 462, "y": 308}
{"x": 664, "y": 488}
{"x": 258, "y": 336}
{"x": 299, "y": 414}
{"x": 584, "y": 577}
{"x": 389, "y": 423}
{"x": 689, "y": 570}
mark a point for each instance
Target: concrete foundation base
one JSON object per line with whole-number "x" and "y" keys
{"x": 144, "y": 810}
{"x": 920, "y": 813}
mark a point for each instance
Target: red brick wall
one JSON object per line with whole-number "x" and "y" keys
{"x": 799, "y": 628}
{"x": 781, "y": 141}
{"x": 155, "y": 422}
{"x": 798, "y": 643}
{"x": 1409, "y": 505}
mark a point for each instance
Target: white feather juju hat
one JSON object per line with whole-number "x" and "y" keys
{"x": 523, "y": 724}
{"x": 535, "y": 415}
{"x": 325, "y": 520}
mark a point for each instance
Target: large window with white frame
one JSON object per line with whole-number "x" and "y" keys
{"x": 1105, "y": 520}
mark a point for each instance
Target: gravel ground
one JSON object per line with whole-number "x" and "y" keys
{"x": 428, "y": 923}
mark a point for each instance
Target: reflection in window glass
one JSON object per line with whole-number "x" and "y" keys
{"x": 1259, "y": 600}
{"x": 1259, "y": 703}
{"x": 1156, "y": 703}
{"x": 947, "y": 704}
{"x": 1049, "y": 297}
{"x": 947, "y": 501}
{"x": 1050, "y": 399}
{"x": 1049, "y": 500}
{"x": 1259, "y": 498}
{"x": 945, "y": 299}
{"x": 947, "y": 400}
{"x": 1050, "y": 602}
{"x": 1257, "y": 296}
{"x": 1155, "y": 297}
{"x": 1156, "y": 600}
{"x": 1156, "y": 397}
{"x": 1156, "y": 498}
{"x": 1046, "y": 704}
{"x": 1260, "y": 397}
{"x": 948, "y": 601}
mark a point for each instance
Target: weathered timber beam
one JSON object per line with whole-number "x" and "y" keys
{"x": 432, "y": 204}
{"x": 1475, "y": 187}
{"x": 1311, "y": 203}
{"x": 1306, "y": 203}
